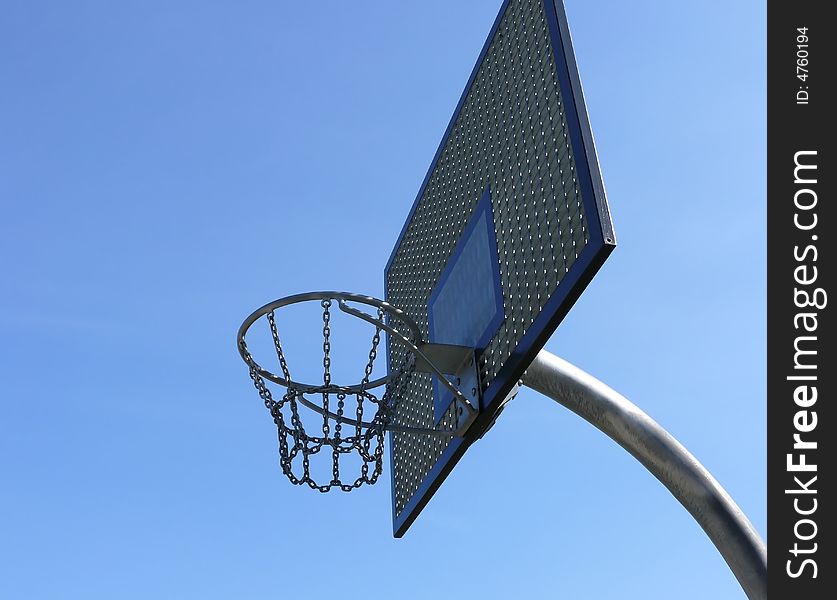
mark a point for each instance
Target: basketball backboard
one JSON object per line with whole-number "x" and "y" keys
{"x": 509, "y": 225}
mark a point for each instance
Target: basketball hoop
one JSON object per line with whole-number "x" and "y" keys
{"x": 341, "y": 427}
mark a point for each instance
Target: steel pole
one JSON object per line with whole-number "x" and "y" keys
{"x": 666, "y": 458}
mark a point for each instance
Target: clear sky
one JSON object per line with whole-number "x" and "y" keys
{"x": 166, "y": 167}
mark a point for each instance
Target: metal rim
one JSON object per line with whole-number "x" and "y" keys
{"x": 311, "y": 296}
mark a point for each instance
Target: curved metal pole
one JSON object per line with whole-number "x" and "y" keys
{"x": 688, "y": 480}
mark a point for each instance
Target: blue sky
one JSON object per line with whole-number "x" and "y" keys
{"x": 166, "y": 167}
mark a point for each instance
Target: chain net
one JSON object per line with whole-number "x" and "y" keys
{"x": 340, "y": 429}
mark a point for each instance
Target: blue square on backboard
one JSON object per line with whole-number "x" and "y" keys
{"x": 465, "y": 307}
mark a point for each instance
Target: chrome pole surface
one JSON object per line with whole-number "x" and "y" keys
{"x": 666, "y": 458}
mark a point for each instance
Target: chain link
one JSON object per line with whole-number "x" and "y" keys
{"x": 271, "y": 319}
{"x": 326, "y": 342}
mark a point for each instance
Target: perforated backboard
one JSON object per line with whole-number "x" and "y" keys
{"x": 509, "y": 226}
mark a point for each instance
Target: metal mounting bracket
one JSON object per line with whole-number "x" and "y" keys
{"x": 511, "y": 395}
{"x": 459, "y": 364}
